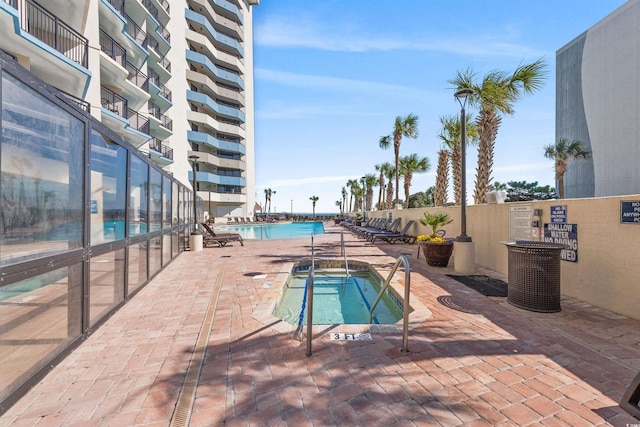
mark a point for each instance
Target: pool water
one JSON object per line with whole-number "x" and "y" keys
{"x": 275, "y": 230}
{"x": 336, "y": 300}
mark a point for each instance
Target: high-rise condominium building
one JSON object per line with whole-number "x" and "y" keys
{"x": 174, "y": 78}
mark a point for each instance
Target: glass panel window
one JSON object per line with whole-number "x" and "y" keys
{"x": 155, "y": 207}
{"x": 166, "y": 248}
{"x": 106, "y": 284}
{"x": 39, "y": 318}
{"x": 138, "y": 197}
{"x": 108, "y": 189}
{"x": 166, "y": 200}
{"x": 41, "y": 152}
{"x": 174, "y": 203}
{"x": 137, "y": 266}
{"x": 155, "y": 255}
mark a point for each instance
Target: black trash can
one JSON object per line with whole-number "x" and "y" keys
{"x": 534, "y": 275}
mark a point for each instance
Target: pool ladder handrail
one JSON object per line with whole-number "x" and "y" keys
{"x": 346, "y": 262}
{"x": 310, "y": 307}
{"x": 407, "y": 285}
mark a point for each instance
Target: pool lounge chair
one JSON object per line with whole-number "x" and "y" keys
{"x": 211, "y": 238}
{"x": 390, "y": 229}
{"x": 402, "y": 236}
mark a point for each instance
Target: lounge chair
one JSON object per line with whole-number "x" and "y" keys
{"x": 402, "y": 236}
{"x": 391, "y": 229}
{"x": 210, "y": 237}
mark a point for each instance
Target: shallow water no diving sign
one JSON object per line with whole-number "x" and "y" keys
{"x": 351, "y": 337}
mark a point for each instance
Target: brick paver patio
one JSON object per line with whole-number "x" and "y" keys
{"x": 473, "y": 360}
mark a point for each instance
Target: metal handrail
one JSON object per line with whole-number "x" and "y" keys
{"x": 310, "y": 304}
{"x": 346, "y": 262}
{"x": 407, "y": 284}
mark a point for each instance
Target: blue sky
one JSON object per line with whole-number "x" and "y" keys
{"x": 332, "y": 75}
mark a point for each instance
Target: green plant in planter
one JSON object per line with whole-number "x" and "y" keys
{"x": 435, "y": 221}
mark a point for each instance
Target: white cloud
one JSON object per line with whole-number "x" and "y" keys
{"x": 307, "y": 33}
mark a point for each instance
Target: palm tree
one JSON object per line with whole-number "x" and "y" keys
{"x": 442, "y": 178}
{"x": 404, "y": 127}
{"x": 562, "y": 152}
{"x": 339, "y": 205}
{"x": 267, "y": 198}
{"x": 450, "y": 136}
{"x": 389, "y": 173}
{"x": 352, "y": 184}
{"x": 383, "y": 169}
{"x": 495, "y": 95}
{"x": 314, "y": 199}
{"x": 408, "y": 166}
{"x": 344, "y": 198}
{"x": 370, "y": 181}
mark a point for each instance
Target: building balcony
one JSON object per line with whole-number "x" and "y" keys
{"x": 215, "y": 90}
{"x": 205, "y": 66}
{"x": 220, "y": 162}
{"x": 217, "y": 143}
{"x": 160, "y": 153}
{"x": 216, "y": 108}
{"x": 204, "y": 7}
{"x": 212, "y": 178}
{"x": 113, "y": 49}
{"x": 228, "y": 10}
{"x": 203, "y": 45}
{"x": 217, "y": 38}
{"x": 212, "y": 125}
{"x": 124, "y": 121}
{"x": 114, "y": 22}
{"x": 56, "y": 52}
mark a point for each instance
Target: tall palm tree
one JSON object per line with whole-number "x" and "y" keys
{"x": 314, "y": 199}
{"x": 382, "y": 168}
{"x": 267, "y": 198}
{"x": 389, "y": 173}
{"x": 450, "y": 136}
{"x": 442, "y": 178}
{"x": 344, "y": 199}
{"x": 370, "y": 181}
{"x": 562, "y": 152}
{"x": 339, "y": 205}
{"x": 494, "y": 96}
{"x": 406, "y": 126}
{"x": 352, "y": 184}
{"x": 408, "y": 166}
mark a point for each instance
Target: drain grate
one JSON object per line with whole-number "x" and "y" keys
{"x": 448, "y": 302}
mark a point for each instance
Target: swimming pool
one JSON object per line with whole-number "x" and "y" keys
{"x": 336, "y": 299}
{"x": 276, "y": 230}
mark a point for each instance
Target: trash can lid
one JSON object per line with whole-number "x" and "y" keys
{"x": 535, "y": 244}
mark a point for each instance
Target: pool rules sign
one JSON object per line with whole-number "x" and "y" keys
{"x": 558, "y": 231}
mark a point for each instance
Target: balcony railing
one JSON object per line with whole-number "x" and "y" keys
{"x": 151, "y": 8}
{"x": 154, "y": 78}
{"x": 113, "y": 102}
{"x": 156, "y": 145}
{"x": 138, "y": 121}
{"x": 152, "y": 43}
{"x": 165, "y": 63}
{"x": 48, "y": 28}
{"x": 156, "y": 112}
{"x": 135, "y": 31}
{"x": 117, "y": 5}
{"x": 137, "y": 77}
{"x": 165, "y": 4}
{"x": 113, "y": 49}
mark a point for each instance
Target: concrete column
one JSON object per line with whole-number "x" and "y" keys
{"x": 195, "y": 242}
{"x": 464, "y": 257}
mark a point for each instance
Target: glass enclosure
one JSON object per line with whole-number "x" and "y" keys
{"x": 86, "y": 220}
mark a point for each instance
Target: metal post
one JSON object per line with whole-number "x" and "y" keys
{"x": 193, "y": 158}
{"x": 461, "y": 96}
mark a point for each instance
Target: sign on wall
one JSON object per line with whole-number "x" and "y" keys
{"x": 566, "y": 234}
{"x": 520, "y": 222}
{"x": 559, "y": 214}
{"x": 630, "y": 212}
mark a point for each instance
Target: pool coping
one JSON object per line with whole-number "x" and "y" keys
{"x": 264, "y": 310}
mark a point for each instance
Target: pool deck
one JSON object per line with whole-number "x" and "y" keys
{"x": 198, "y": 346}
